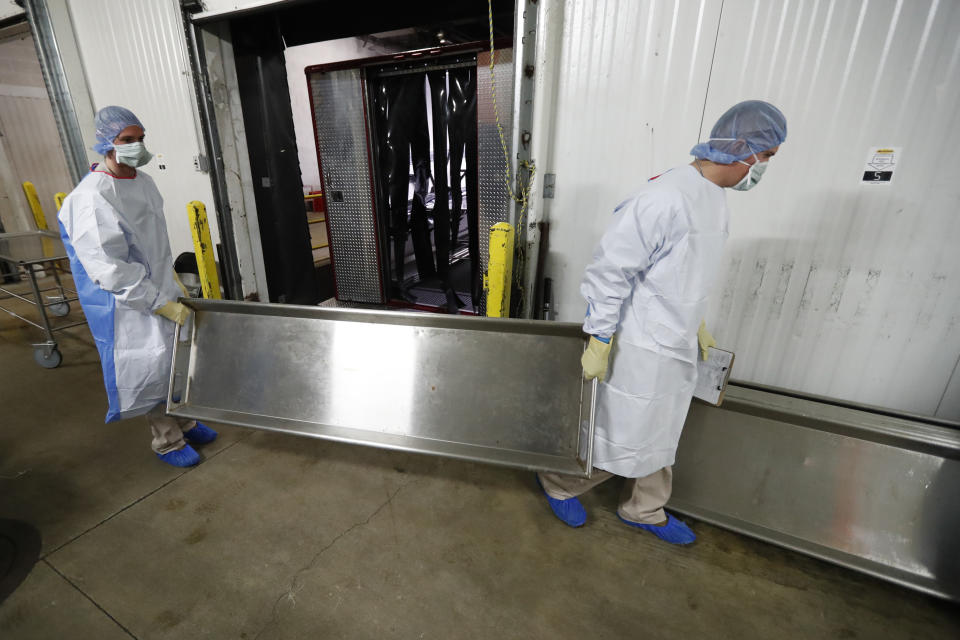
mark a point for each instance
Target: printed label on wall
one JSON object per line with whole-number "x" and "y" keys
{"x": 881, "y": 161}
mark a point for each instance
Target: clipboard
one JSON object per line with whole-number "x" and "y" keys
{"x": 713, "y": 375}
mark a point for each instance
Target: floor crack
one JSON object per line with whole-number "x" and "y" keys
{"x": 113, "y": 515}
{"x": 87, "y": 596}
{"x": 291, "y": 592}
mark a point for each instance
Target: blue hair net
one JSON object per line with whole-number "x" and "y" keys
{"x": 745, "y": 129}
{"x": 110, "y": 121}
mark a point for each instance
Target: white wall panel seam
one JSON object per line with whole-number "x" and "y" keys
{"x": 849, "y": 64}
{"x": 765, "y": 32}
{"x": 808, "y": 39}
{"x": 776, "y": 46}
{"x": 934, "y": 5}
{"x": 651, "y": 9}
{"x": 790, "y": 48}
{"x": 21, "y": 91}
{"x": 878, "y": 77}
{"x": 696, "y": 46}
{"x": 820, "y": 50}
{"x": 746, "y": 56}
{"x": 704, "y": 135}
{"x": 673, "y": 35}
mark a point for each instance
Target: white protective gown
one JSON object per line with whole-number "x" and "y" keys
{"x": 116, "y": 237}
{"x": 648, "y": 284}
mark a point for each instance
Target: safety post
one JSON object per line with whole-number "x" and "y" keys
{"x": 58, "y": 198}
{"x": 499, "y": 278}
{"x": 31, "y": 192}
{"x": 203, "y": 246}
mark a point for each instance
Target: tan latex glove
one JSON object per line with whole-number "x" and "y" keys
{"x": 174, "y": 312}
{"x": 176, "y": 279}
{"x": 595, "y": 359}
{"x": 705, "y": 339}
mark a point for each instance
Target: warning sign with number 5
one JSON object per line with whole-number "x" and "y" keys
{"x": 881, "y": 162}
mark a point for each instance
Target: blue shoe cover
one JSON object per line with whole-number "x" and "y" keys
{"x": 570, "y": 510}
{"x": 674, "y": 532}
{"x": 185, "y": 457}
{"x": 200, "y": 434}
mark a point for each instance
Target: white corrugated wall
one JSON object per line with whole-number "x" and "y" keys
{"x": 134, "y": 55}
{"x": 830, "y": 287}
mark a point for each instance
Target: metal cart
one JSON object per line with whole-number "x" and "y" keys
{"x": 30, "y": 252}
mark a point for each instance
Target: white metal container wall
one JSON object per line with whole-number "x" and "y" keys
{"x": 830, "y": 287}
{"x": 834, "y": 287}
{"x": 134, "y": 55}
{"x": 30, "y": 141}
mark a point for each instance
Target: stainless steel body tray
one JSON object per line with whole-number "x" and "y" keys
{"x": 506, "y": 392}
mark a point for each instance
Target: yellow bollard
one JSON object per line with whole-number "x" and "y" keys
{"x": 203, "y": 246}
{"x": 31, "y": 192}
{"x": 500, "y": 270}
{"x": 59, "y": 197}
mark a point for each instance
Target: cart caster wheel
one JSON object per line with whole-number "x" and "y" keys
{"x": 60, "y": 309}
{"x": 51, "y": 361}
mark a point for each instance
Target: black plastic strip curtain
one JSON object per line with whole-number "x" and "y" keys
{"x": 402, "y": 138}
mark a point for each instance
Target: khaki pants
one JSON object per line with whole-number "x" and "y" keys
{"x": 167, "y": 430}
{"x": 641, "y": 501}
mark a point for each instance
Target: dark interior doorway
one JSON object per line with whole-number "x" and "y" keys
{"x": 259, "y": 39}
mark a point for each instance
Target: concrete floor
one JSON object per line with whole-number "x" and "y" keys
{"x": 283, "y": 537}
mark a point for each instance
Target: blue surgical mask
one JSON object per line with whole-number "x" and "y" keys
{"x": 753, "y": 175}
{"x": 133, "y": 155}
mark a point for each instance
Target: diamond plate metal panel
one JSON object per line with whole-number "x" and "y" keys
{"x": 345, "y": 164}
{"x": 494, "y": 199}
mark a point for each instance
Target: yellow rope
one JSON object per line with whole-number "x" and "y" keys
{"x": 523, "y": 197}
